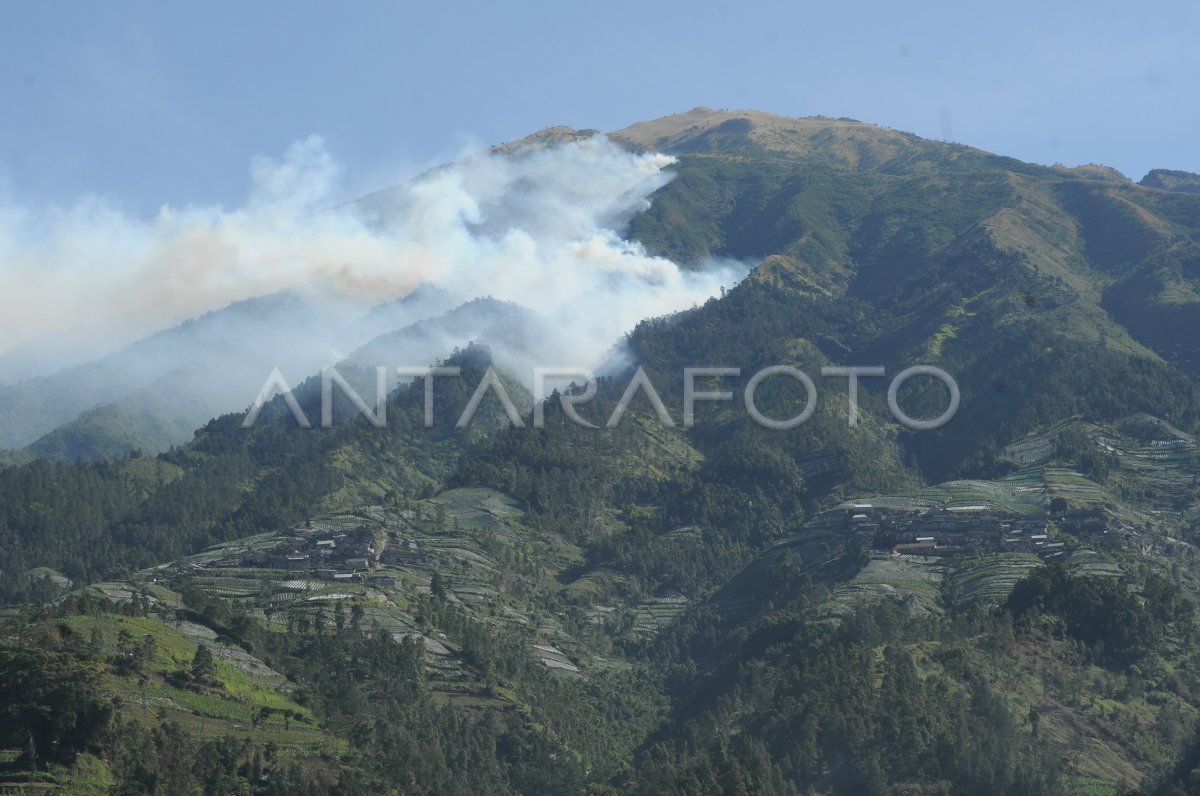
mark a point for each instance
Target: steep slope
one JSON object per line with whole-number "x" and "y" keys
{"x": 515, "y": 335}
{"x": 917, "y": 252}
{"x": 657, "y": 608}
{"x": 1171, "y": 180}
{"x": 154, "y": 393}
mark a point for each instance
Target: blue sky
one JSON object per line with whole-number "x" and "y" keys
{"x": 151, "y": 103}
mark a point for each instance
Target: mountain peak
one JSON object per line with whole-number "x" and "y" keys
{"x": 547, "y": 136}
{"x": 1169, "y": 180}
{"x": 705, "y": 130}
{"x": 702, "y": 119}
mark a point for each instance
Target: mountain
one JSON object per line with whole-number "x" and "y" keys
{"x": 1003, "y": 605}
{"x": 156, "y": 392}
{"x": 503, "y": 324}
{"x": 33, "y": 407}
{"x": 1169, "y": 180}
{"x": 424, "y": 301}
{"x": 889, "y": 250}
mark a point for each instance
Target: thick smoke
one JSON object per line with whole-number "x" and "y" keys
{"x": 539, "y": 228}
{"x": 95, "y": 272}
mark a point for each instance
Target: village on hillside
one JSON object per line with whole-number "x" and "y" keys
{"x": 332, "y": 554}
{"x": 971, "y": 529}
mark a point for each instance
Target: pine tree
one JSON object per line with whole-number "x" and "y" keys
{"x": 203, "y": 665}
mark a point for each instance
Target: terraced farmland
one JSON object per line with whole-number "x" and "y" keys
{"x": 1151, "y": 465}
{"x": 986, "y": 580}
{"x": 468, "y": 537}
{"x": 915, "y": 579}
{"x": 1022, "y": 492}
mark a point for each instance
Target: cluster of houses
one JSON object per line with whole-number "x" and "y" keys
{"x": 958, "y": 530}
{"x": 1087, "y": 520}
{"x": 341, "y": 555}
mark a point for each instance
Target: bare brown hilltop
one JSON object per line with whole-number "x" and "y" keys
{"x": 847, "y": 142}
{"x": 706, "y": 129}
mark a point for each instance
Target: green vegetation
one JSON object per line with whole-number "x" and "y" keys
{"x": 671, "y": 610}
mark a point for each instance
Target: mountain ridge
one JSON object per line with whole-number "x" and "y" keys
{"x": 1004, "y": 605}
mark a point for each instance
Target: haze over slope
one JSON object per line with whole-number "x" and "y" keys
{"x": 886, "y": 249}
{"x": 718, "y": 607}
{"x": 537, "y": 227}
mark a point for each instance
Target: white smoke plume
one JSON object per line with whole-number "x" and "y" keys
{"x": 540, "y": 229}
